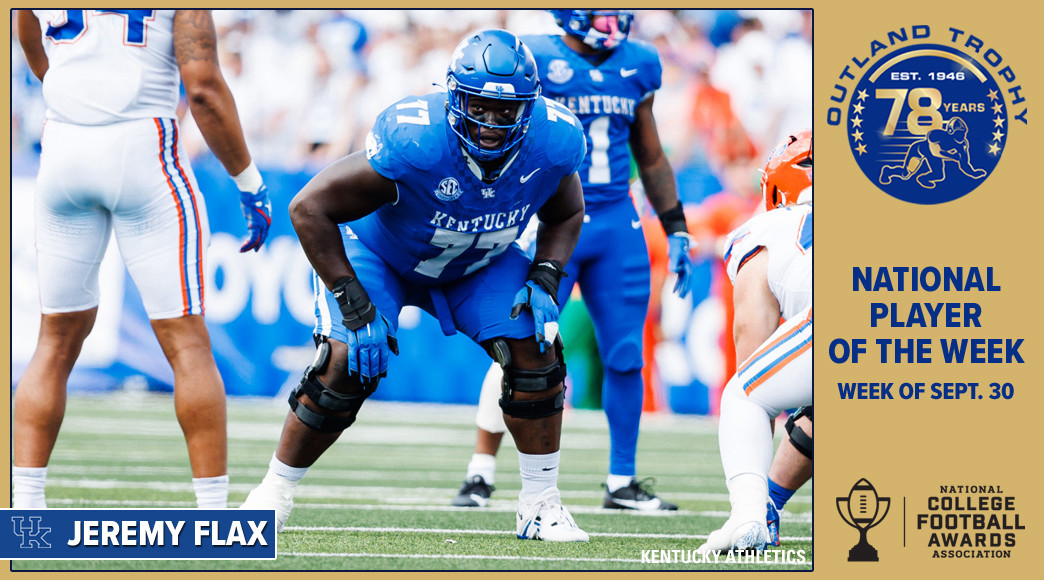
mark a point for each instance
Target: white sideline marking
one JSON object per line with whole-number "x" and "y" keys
{"x": 453, "y": 557}
{"x": 495, "y": 507}
{"x": 389, "y": 494}
{"x": 495, "y": 557}
{"x": 503, "y": 533}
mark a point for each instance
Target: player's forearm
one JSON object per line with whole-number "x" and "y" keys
{"x": 660, "y": 186}
{"x": 558, "y": 240}
{"x": 31, "y": 39}
{"x": 320, "y": 238}
{"x": 214, "y": 110}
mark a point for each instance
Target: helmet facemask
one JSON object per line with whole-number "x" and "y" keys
{"x": 493, "y": 86}
{"x": 492, "y": 100}
{"x": 602, "y": 30}
{"x": 788, "y": 171}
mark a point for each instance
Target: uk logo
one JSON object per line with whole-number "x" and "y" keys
{"x": 488, "y": 192}
{"x": 448, "y": 189}
{"x": 928, "y": 117}
{"x": 31, "y": 533}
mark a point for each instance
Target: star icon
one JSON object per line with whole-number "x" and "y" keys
{"x": 861, "y": 149}
{"x": 857, "y": 108}
{"x": 994, "y": 149}
{"x": 998, "y": 122}
{"x": 857, "y": 122}
{"x": 997, "y": 135}
{"x": 862, "y": 95}
{"x": 992, "y": 95}
{"x": 997, "y": 108}
{"x": 858, "y": 135}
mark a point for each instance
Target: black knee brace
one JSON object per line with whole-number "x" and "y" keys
{"x": 798, "y": 438}
{"x": 530, "y": 381}
{"x": 324, "y": 398}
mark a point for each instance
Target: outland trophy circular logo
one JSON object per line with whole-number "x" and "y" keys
{"x": 928, "y": 121}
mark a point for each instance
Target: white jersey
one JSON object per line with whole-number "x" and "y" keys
{"x": 108, "y": 66}
{"x": 787, "y": 235}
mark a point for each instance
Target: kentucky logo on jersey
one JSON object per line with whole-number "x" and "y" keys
{"x": 448, "y": 189}
{"x": 928, "y": 117}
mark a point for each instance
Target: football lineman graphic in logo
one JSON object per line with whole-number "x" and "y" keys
{"x": 927, "y": 124}
{"x": 926, "y": 158}
{"x": 448, "y": 189}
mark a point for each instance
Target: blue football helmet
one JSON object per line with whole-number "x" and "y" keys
{"x": 599, "y": 29}
{"x": 496, "y": 65}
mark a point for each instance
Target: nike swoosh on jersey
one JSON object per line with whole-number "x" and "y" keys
{"x": 525, "y": 178}
{"x": 636, "y": 224}
{"x": 626, "y": 72}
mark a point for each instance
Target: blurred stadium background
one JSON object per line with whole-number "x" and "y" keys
{"x": 308, "y": 84}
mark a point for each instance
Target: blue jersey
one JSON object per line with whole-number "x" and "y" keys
{"x": 604, "y": 97}
{"x": 447, "y": 222}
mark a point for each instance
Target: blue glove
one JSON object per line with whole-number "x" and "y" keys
{"x": 258, "y": 211}
{"x": 369, "y": 348}
{"x": 534, "y": 298}
{"x": 369, "y": 336}
{"x": 680, "y": 262}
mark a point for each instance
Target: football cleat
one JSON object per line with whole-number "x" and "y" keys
{"x": 474, "y": 492}
{"x": 772, "y": 523}
{"x": 547, "y": 519}
{"x": 637, "y": 495}
{"x": 751, "y": 536}
{"x": 265, "y": 497}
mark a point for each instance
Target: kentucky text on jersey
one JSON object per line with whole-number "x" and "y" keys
{"x": 448, "y": 221}
{"x": 486, "y": 222}
{"x": 599, "y": 105}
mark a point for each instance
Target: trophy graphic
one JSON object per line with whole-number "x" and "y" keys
{"x": 860, "y": 510}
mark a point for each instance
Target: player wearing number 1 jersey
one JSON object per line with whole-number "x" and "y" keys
{"x": 769, "y": 260}
{"x": 427, "y": 216}
{"x": 112, "y": 161}
{"x": 608, "y": 81}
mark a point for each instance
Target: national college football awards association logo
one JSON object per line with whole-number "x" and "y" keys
{"x": 927, "y": 112}
{"x": 863, "y": 509}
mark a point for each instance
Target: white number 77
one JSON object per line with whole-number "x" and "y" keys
{"x": 456, "y": 243}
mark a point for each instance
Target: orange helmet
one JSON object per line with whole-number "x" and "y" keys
{"x": 788, "y": 171}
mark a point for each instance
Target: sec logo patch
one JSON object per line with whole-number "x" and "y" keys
{"x": 927, "y": 122}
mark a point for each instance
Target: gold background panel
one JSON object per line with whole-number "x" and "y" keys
{"x": 908, "y": 449}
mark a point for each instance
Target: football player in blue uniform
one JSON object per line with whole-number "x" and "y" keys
{"x": 427, "y": 216}
{"x": 608, "y": 82}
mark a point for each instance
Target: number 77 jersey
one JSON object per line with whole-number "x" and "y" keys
{"x": 786, "y": 233}
{"x": 447, "y": 222}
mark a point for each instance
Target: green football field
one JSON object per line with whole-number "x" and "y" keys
{"x": 379, "y": 499}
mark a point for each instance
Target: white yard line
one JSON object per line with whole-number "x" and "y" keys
{"x": 515, "y": 558}
{"x": 495, "y": 506}
{"x": 503, "y": 533}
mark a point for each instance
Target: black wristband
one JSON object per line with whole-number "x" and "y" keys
{"x": 673, "y": 220}
{"x": 547, "y": 274}
{"x": 354, "y": 302}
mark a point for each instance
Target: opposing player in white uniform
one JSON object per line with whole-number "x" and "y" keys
{"x": 112, "y": 160}
{"x": 769, "y": 259}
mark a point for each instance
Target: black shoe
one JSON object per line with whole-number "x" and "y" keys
{"x": 474, "y": 492}
{"x": 637, "y": 495}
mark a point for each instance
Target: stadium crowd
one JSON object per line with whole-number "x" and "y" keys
{"x": 308, "y": 83}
